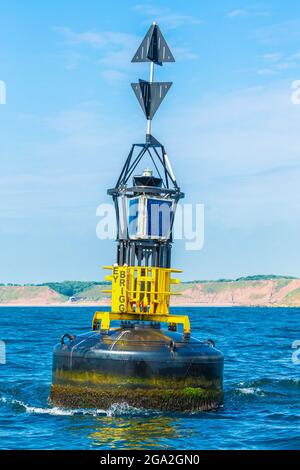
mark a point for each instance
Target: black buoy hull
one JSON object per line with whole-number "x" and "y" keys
{"x": 144, "y": 367}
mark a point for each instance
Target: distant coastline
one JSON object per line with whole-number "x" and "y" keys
{"x": 256, "y": 291}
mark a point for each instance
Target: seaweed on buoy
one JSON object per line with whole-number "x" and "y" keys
{"x": 156, "y": 399}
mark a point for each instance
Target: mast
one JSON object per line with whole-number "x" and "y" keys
{"x": 155, "y": 50}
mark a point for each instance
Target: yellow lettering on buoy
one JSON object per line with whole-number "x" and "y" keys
{"x": 140, "y": 291}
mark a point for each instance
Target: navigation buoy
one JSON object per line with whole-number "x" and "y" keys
{"x": 149, "y": 360}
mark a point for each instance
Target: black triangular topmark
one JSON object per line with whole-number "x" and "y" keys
{"x": 150, "y": 95}
{"x": 141, "y": 99}
{"x": 154, "y": 48}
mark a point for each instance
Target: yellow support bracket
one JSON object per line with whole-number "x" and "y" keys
{"x": 102, "y": 320}
{"x": 141, "y": 293}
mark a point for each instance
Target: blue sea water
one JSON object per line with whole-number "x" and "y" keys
{"x": 262, "y": 386}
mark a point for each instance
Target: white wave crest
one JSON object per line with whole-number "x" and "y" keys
{"x": 250, "y": 391}
{"x": 117, "y": 409}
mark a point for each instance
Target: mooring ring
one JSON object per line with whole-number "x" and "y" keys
{"x": 67, "y": 335}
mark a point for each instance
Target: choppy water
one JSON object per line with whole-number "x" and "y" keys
{"x": 262, "y": 387}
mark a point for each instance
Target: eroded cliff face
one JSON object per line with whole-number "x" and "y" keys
{"x": 247, "y": 293}
{"x": 267, "y": 292}
{"x": 30, "y": 295}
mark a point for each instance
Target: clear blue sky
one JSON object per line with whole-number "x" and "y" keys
{"x": 228, "y": 124}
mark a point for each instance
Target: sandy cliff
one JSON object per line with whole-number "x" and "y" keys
{"x": 30, "y": 295}
{"x": 251, "y": 293}
{"x": 266, "y": 292}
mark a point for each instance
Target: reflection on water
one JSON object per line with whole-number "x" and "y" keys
{"x": 134, "y": 432}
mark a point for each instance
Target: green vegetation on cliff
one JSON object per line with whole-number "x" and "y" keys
{"x": 71, "y": 288}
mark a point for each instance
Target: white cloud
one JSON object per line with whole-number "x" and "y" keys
{"x": 115, "y": 49}
{"x": 246, "y": 12}
{"x": 295, "y": 56}
{"x": 286, "y": 65}
{"x": 73, "y": 60}
{"x": 266, "y": 72}
{"x": 237, "y": 13}
{"x": 272, "y": 57}
{"x": 57, "y": 171}
{"x": 278, "y": 62}
{"x": 99, "y": 40}
{"x": 246, "y": 145}
{"x": 113, "y": 75}
{"x": 166, "y": 16}
{"x": 279, "y": 34}
{"x": 183, "y": 53}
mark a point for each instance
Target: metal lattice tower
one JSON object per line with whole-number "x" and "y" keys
{"x": 145, "y": 207}
{"x": 150, "y": 94}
